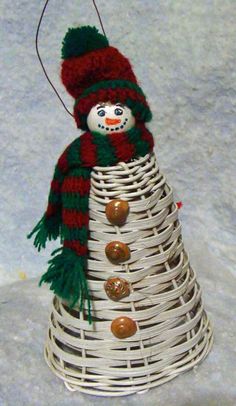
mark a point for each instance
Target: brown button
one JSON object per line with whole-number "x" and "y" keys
{"x": 117, "y": 252}
{"x": 123, "y": 327}
{"x": 117, "y": 211}
{"x": 117, "y": 288}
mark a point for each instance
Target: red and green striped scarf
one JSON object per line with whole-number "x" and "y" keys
{"x": 67, "y": 214}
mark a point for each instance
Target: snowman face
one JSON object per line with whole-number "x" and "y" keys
{"x": 107, "y": 118}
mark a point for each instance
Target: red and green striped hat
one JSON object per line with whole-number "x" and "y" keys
{"x": 93, "y": 71}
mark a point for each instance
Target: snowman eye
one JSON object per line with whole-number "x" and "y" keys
{"x": 101, "y": 113}
{"x": 118, "y": 112}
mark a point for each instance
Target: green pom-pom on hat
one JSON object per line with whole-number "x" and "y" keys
{"x": 81, "y": 40}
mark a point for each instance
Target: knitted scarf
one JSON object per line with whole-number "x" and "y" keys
{"x": 67, "y": 214}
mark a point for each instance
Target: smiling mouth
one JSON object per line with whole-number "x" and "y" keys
{"x": 116, "y": 128}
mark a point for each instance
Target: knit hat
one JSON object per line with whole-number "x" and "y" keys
{"x": 93, "y": 71}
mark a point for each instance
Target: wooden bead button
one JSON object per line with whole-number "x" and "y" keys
{"x": 117, "y": 211}
{"x": 123, "y": 327}
{"x": 117, "y": 252}
{"x": 117, "y": 288}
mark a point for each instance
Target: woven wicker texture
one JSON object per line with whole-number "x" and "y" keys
{"x": 173, "y": 330}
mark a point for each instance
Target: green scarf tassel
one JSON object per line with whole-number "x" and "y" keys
{"x": 46, "y": 229}
{"x": 67, "y": 278}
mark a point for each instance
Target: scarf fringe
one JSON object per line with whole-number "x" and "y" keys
{"x": 45, "y": 229}
{"x": 66, "y": 274}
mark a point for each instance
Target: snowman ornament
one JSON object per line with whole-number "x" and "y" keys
{"x": 127, "y": 313}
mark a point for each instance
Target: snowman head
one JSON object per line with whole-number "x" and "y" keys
{"x": 107, "y": 118}
{"x": 93, "y": 71}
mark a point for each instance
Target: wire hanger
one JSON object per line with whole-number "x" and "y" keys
{"x": 38, "y": 53}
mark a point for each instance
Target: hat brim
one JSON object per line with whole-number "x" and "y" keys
{"x": 115, "y": 91}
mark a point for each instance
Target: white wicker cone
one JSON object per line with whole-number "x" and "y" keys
{"x": 173, "y": 331}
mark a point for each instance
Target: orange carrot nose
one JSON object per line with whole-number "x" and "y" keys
{"x": 112, "y": 121}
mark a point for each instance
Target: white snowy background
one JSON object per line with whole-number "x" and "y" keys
{"x": 184, "y": 55}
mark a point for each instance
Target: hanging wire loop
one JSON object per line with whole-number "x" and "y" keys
{"x": 40, "y": 59}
